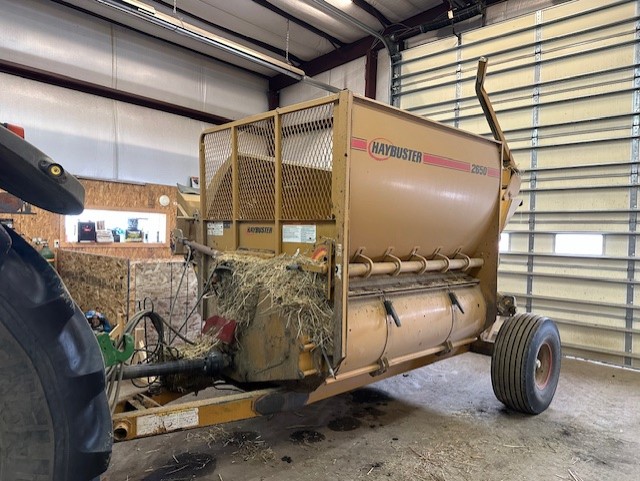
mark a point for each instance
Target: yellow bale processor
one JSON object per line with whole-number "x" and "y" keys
{"x": 342, "y": 241}
{"x": 336, "y": 242}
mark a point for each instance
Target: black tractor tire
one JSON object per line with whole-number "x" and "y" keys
{"x": 55, "y": 423}
{"x": 525, "y": 365}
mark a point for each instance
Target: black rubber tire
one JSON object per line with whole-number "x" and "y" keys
{"x": 525, "y": 365}
{"x": 55, "y": 423}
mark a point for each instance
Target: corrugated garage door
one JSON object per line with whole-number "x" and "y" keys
{"x": 566, "y": 84}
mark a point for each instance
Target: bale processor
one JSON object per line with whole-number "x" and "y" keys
{"x": 342, "y": 241}
{"x": 337, "y": 242}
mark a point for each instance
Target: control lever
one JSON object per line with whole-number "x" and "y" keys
{"x": 454, "y": 301}
{"x": 388, "y": 307}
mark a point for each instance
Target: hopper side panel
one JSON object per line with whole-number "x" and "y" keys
{"x": 416, "y": 183}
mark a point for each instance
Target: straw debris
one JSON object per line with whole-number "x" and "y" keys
{"x": 186, "y": 382}
{"x": 247, "y": 445}
{"x": 297, "y": 296}
{"x": 202, "y": 346}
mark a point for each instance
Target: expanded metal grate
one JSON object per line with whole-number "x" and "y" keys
{"x": 218, "y": 178}
{"x": 256, "y": 170}
{"x": 307, "y": 160}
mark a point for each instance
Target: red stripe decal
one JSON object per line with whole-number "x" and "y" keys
{"x": 358, "y": 144}
{"x": 447, "y": 163}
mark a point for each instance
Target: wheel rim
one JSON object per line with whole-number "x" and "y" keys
{"x": 544, "y": 363}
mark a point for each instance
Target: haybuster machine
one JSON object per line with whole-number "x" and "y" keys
{"x": 337, "y": 242}
{"x": 342, "y": 241}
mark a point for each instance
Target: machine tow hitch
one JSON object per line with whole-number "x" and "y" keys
{"x": 111, "y": 354}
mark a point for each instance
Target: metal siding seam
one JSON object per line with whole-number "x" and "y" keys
{"x": 456, "y": 122}
{"x": 534, "y": 156}
{"x": 633, "y": 197}
{"x": 395, "y": 75}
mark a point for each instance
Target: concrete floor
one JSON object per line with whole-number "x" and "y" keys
{"x": 438, "y": 423}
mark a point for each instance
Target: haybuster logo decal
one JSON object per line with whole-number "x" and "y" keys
{"x": 381, "y": 149}
{"x": 259, "y": 230}
{"x": 376, "y": 149}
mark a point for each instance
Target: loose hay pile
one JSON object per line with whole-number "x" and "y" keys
{"x": 248, "y": 445}
{"x": 297, "y": 296}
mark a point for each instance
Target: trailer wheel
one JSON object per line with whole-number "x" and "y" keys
{"x": 55, "y": 423}
{"x": 525, "y": 365}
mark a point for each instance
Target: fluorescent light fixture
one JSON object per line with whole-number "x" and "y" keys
{"x": 150, "y": 14}
{"x": 341, "y": 3}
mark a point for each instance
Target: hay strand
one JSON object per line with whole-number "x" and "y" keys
{"x": 277, "y": 285}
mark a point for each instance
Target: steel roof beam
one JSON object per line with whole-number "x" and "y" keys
{"x": 373, "y": 11}
{"x": 359, "y": 48}
{"x": 350, "y": 52}
{"x": 246, "y": 38}
{"x": 264, "y": 3}
{"x": 67, "y": 82}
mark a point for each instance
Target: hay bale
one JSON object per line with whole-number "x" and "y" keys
{"x": 295, "y": 295}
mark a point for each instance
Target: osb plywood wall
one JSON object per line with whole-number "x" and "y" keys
{"x": 106, "y": 195}
{"x": 164, "y": 283}
{"x": 119, "y": 287}
{"x": 39, "y": 223}
{"x": 96, "y": 282}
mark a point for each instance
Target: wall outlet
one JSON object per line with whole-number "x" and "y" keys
{"x": 56, "y": 243}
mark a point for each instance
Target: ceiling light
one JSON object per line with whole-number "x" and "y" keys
{"x": 341, "y": 3}
{"x": 146, "y": 12}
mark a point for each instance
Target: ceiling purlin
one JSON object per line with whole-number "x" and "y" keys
{"x": 359, "y": 48}
{"x": 373, "y": 11}
{"x": 350, "y": 51}
{"x": 336, "y": 42}
{"x": 246, "y": 38}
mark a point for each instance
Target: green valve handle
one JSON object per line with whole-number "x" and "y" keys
{"x": 113, "y": 355}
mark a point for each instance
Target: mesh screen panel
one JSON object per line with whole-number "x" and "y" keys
{"x": 256, "y": 170}
{"x": 307, "y": 159}
{"x": 218, "y": 178}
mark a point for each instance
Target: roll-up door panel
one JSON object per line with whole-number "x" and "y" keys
{"x": 566, "y": 86}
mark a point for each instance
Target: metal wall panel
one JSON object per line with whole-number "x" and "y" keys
{"x": 56, "y": 39}
{"x": 156, "y": 146}
{"x": 383, "y": 77}
{"x": 50, "y": 36}
{"x": 97, "y": 137}
{"x": 74, "y": 129}
{"x": 566, "y": 84}
{"x": 348, "y": 76}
